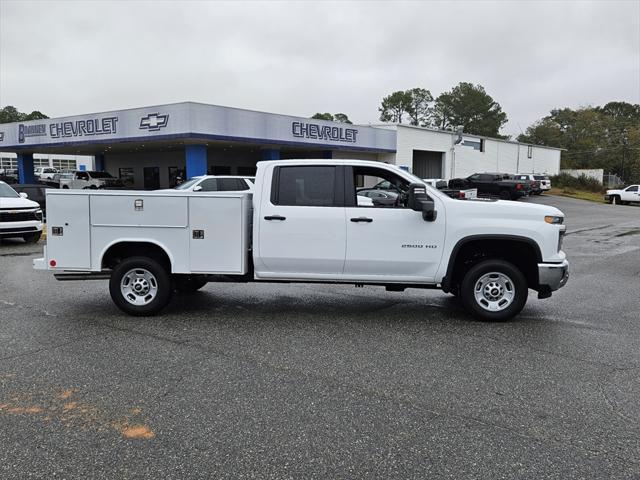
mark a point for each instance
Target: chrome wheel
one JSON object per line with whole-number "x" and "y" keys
{"x": 139, "y": 286}
{"x": 494, "y": 291}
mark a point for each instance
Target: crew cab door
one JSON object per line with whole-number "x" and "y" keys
{"x": 631, "y": 194}
{"x": 390, "y": 243}
{"x": 301, "y": 222}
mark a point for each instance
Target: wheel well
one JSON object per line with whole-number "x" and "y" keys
{"x": 521, "y": 253}
{"x": 119, "y": 251}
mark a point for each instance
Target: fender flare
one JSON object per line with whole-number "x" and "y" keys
{"x": 446, "y": 281}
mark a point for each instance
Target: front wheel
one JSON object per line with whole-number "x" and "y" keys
{"x": 140, "y": 286}
{"x": 505, "y": 195}
{"x": 494, "y": 290}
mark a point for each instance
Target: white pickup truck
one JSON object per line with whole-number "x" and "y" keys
{"x": 302, "y": 223}
{"x": 623, "y": 196}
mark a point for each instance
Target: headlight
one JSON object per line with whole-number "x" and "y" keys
{"x": 553, "y": 220}
{"x": 38, "y": 215}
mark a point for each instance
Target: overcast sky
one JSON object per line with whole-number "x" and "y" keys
{"x": 66, "y": 58}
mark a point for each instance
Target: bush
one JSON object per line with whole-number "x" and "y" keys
{"x": 582, "y": 182}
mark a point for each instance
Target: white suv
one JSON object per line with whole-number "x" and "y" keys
{"x": 19, "y": 217}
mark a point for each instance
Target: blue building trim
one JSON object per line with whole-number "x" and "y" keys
{"x": 25, "y": 168}
{"x": 193, "y": 136}
{"x": 271, "y": 154}
{"x": 195, "y": 160}
{"x": 99, "y": 162}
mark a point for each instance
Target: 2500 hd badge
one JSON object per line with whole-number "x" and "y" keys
{"x": 418, "y": 245}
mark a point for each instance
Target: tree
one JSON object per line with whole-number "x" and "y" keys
{"x": 420, "y": 101}
{"x": 338, "y": 117}
{"x": 395, "y": 106}
{"x": 11, "y": 114}
{"x": 472, "y": 107}
{"x": 342, "y": 118}
{"x": 323, "y": 116}
{"x": 606, "y": 137}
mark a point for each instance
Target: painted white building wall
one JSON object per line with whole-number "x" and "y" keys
{"x": 410, "y": 138}
{"x": 545, "y": 160}
{"x": 498, "y": 155}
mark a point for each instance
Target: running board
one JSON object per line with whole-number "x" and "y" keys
{"x": 63, "y": 277}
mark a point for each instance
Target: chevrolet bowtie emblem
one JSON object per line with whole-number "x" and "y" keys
{"x": 154, "y": 122}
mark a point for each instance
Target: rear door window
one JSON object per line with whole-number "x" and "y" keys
{"x": 310, "y": 186}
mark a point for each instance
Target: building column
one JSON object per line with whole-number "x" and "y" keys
{"x": 99, "y": 162}
{"x": 25, "y": 168}
{"x": 328, "y": 154}
{"x": 195, "y": 160}
{"x": 270, "y": 154}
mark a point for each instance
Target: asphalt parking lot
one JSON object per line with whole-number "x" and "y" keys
{"x": 300, "y": 381}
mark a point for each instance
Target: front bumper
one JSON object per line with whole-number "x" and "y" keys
{"x": 552, "y": 276}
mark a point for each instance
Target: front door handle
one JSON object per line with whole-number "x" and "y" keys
{"x": 274, "y": 217}
{"x": 362, "y": 219}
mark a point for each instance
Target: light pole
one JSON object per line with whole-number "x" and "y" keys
{"x": 625, "y": 142}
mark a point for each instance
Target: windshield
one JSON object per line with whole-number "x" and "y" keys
{"x": 541, "y": 177}
{"x": 188, "y": 184}
{"x": 7, "y": 192}
{"x": 100, "y": 175}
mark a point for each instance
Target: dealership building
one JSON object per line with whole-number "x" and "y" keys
{"x": 152, "y": 147}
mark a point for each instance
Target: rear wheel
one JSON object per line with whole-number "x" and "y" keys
{"x": 32, "y": 237}
{"x": 505, "y": 195}
{"x": 494, "y": 290}
{"x": 140, "y": 286}
{"x": 188, "y": 283}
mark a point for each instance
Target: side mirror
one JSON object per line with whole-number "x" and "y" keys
{"x": 24, "y": 195}
{"x": 197, "y": 188}
{"x": 418, "y": 200}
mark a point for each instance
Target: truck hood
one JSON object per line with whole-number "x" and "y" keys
{"x": 507, "y": 209}
{"x": 17, "y": 203}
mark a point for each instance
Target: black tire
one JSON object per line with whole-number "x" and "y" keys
{"x": 505, "y": 195}
{"x": 188, "y": 283}
{"x": 32, "y": 237}
{"x": 615, "y": 199}
{"x": 516, "y": 284}
{"x": 65, "y": 187}
{"x": 160, "y": 280}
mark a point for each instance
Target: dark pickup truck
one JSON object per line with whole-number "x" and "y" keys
{"x": 501, "y": 185}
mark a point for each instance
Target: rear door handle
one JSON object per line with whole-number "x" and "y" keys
{"x": 362, "y": 219}
{"x": 274, "y": 217}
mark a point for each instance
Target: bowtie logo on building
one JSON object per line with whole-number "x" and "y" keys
{"x": 154, "y": 122}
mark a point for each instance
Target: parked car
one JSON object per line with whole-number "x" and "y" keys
{"x": 19, "y": 216}
{"x": 216, "y": 183}
{"x": 501, "y": 185}
{"x": 92, "y": 180}
{"x": 545, "y": 181}
{"x": 35, "y": 192}
{"x": 534, "y": 184}
{"x": 623, "y": 196}
{"x": 9, "y": 175}
{"x": 380, "y": 197}
{"x": 44, "y": 173}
